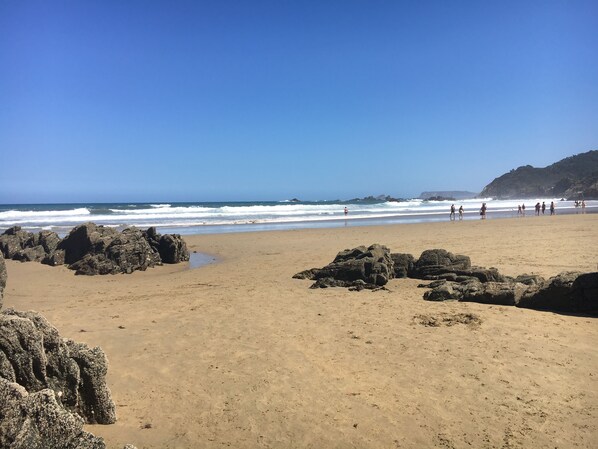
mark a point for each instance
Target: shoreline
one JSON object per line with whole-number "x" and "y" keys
{"x": 195, "y": 218}
{"x": 341, "y": 222}
{"x": 238, "y": 353}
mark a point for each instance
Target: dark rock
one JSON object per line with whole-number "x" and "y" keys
{"x": 435, "y": 262}
{"x": 352, "y": 267}
{"x": 87, "y": 238}
{"x": 482, "y": 274}
{"x": 55, "y": 258}
{"x": 30, "y": 254}
{"x": 93, "y": 264}
{"x": 36, "y": 420}
{"x": 307, "y": 274}
{"x": 443, "y": 292}
{"x": 585, "y": 289}
{"x": 49, "y": 240}
{"x": 566, "y": 292}
{"x": 447, "y": 277}
{"x": 530, "y": 279}
{"x": 153, "y": 238}
{"x": 432, "y": 284}
{"x": 27, "y": 247}
{"x": 92, "y": 249}
{"x": 173, "y": 249}
{"x": 13, "y": 240}
{"x": 33, "y": 355}
{"x": 403, "y": 264}
{"x": 3, "y": 277}
{"x": 498, "y": 293}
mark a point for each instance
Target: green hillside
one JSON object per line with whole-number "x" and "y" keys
{"x": 574, "y": 177}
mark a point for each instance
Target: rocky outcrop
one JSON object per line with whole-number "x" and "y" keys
{"x": 38, "y": 421}
{"x": 358, "y": 268}
{"x": 14, "y": 240}
{"x": 33, "y": 354}
{"x": 436, "y": 262}
{"x": 91, "y": 249}
{"x": 453, "y": 278}
{"x": 171, "y": 247}
{"x": 567, "y": 292}
{"x": 3, "y": 278}
{"x": 26, "y": 246}
{"x": 49, "y": 386}
{"x": 403, "y": 265}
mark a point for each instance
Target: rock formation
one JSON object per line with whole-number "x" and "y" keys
{"x": 33, "y": 355}
{"x": 38, "y": 421}
{"x": 49, "y": 386}
{"x": 403, "y": 265}
{"x": 26, "y": 246}
{"x": 3, "y": 277}
{"x": 171, "y": 247}
{"x": 453, "y": 278}
{"x": 91, "y": 249}
{"x": 567, "y": 292}
{"x": 358, "y": 268}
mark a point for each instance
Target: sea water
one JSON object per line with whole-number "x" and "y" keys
{"x": 212, "y": 217}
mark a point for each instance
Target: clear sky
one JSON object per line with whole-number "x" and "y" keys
{"x": 268, "y": 100}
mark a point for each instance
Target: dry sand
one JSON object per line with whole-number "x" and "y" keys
{"x": 238, "y": 354}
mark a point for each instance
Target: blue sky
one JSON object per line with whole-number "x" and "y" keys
{"x": 258, "y": 100}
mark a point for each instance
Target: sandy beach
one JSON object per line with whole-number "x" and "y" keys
{"x": 238, "y": 354}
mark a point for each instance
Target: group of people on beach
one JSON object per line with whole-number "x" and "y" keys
{"x": 581, "y": 204}
{"x": 538, "y": 207}
{"x": 452, "y": 215}
{"x": 520, "y": 209}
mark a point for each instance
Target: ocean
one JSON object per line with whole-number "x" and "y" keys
{"x": 213, "y": 217}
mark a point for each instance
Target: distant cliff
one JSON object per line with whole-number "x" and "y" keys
{"x": 574, "y": 177}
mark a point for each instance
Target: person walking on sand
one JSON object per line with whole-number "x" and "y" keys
{"x": 461, "y": 212}
{"x": 552, "y": 208}
{"x": 538, "y": 208}
{"x": 483, "y": 211}
{"x": 543, "y": 207}
{"x": 518, "y": 209}
{"x": 452, "y": 215}
{"x": 523, "y": 209}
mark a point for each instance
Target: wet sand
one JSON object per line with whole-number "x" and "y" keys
{"x": 238, "y": 354}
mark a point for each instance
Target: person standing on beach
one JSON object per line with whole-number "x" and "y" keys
{"x": 538, "y": 208}
{"x": 518, "y": 209}
{"x": 452, "y": 215}
{"x": 543, "y": 207}
{"x": 583, "y": 206}
{"x": 483, "y": 211}
{"x": 346, "y": 211}
{"x": 552, "y": 208}
{"x": 523, "y": 209}
{"x": 461, "y": 212}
